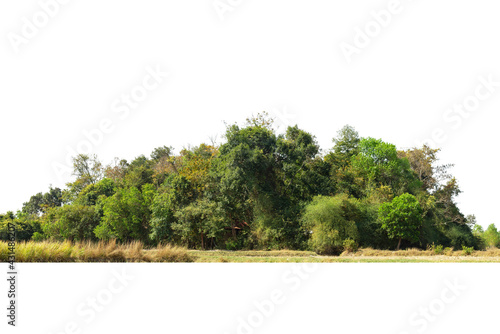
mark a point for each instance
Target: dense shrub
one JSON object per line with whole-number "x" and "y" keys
{"x": 370, "y": 230}
{"x": 25, "y": 228}
{"x": 70, "y": 222}
{"x": 127, "y": 214}
{"x": 467, "y": 250}
{"x": 459, "y": 235}
{"x": 329, "y": 221}
{"x": 438, "y": 249}
{"x": 279, "y": 190}
{"x": 350, "y": 245}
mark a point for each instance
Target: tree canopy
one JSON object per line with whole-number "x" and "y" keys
{"x": 260, "y": 190}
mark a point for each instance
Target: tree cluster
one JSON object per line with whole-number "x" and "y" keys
{"x": 260, "y": 190}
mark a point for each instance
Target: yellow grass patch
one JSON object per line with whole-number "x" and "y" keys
{"x": 66, "y": 251}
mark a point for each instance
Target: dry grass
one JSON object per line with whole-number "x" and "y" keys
{"x": 168, "y": 253}
{"x": 256, "y": 253}
{"x": 94, "y": 252}
{"x": 43, "y": 252}
{"x": 415, "y": 252}
{"x": 134, "y": 252}
{"x": 491, "y": 252}
{"x": 379, "y": 252}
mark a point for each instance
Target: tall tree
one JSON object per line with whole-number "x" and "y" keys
{"x": 127, "y": 214}
{"x": 40, "y": 202}
{"x": 401, "y": 218}
{"x": 378, "y": 163}
{"x": 491, "y": 236}
{"x": 344, "y": 177}
{"x": 423, "y": 162}
{"x": 88, "y": 170}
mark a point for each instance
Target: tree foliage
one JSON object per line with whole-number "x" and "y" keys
{"x": 401, "y": 218}
{"x": 330, "y": 221}
{"x": 260, "y": 189}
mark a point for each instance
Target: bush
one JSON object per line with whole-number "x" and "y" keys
{"x": 448, "y": 251}
{"x": 231, "y": 245}
{"x": 24, "y": 228}
{"x": 467, "y": 250}
{"x": 350, "y": 246}
{"x": 460, "y": 235}
{"x": 325, "y": 241}
{"x": 37, "y": 237}
{"x": 438, "y": 249}
{"x": 329, "y": 221}
{"x": 70, "y": 222}
{"x": 126, "y": 214}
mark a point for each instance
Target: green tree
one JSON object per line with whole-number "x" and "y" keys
{"x": 91, "y": 193}
{"x": 265, "y": 179}
{"x": 161, "y": 153}
{"x": 176, "y": 193}
{"x": 378, "y": 163}
{"x": 88, "y": 170}
{"x": 41, "y": 202}
{"x": 25, "y": 225}
{"x": 73, "y": 222}
{"x": 343, "y": 176}
{"x": 139, "y": 172}
{"x": 478, "y": 233}
{"x": 200, "y": 223}
{"x": 491, "y": 236}
{"x": 245, "y": 173}
{"x": 478, "y": 230}
{"x": 298, "y": 165}
{"x": 346, "y": 143}
{"x": 163, "y": 164}
{"x": 401, "y": 218}
{"x": 127, "y": 214}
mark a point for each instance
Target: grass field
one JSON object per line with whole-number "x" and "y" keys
{"x": 362, "y": 256}
{"x": 135, "y": 252}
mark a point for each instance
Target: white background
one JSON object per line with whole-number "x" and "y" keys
{"x": 280, "y": 55}
{"x": 210, "y": 298}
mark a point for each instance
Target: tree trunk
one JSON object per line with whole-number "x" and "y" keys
{"x": 399, "y": 244}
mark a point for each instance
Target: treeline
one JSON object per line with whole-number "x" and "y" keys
{"x": 260, "y": 190}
